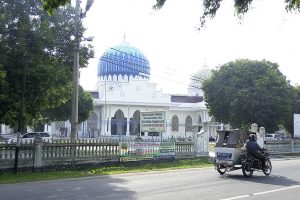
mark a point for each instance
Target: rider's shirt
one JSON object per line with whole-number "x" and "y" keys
{"x": 252, "y": 147}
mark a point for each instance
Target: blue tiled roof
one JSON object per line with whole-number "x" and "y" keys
{"x": 123, "y": 60}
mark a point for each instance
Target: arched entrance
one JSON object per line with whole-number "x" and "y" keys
{"x": 134, "y": 123}
{"x": 118, "y": 123}
{"x": 175, "y": 123}
{"x": 188, "y": 125}
{"x": 199, "y": 123}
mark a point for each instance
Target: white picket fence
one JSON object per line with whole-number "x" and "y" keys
{"x": 283, "y": 147}
{"x": 63, "y": 153}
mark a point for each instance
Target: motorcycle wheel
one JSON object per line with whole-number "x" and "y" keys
{"x": 268, "y": 168}
{"x": 221, "y": 169}
{"x": 246, "y": 168}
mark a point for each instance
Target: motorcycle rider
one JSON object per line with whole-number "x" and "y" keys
{"x": 255, "y": 150}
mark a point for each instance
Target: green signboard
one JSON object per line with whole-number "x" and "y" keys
{"x": 134, "y": 151}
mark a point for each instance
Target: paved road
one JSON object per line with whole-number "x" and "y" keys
{"x": 192, "y": 184}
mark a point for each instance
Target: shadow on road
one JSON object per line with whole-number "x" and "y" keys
{"x": 101, "y": 187}
{"x": 271, "y": 180}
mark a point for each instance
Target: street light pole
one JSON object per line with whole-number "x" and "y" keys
{"x": 105, "y": 107}
{"x": 75, "y": 93}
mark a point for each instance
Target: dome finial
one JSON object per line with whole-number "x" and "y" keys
{"x": 204, "y": 63}
{"x": 124, "y": 37}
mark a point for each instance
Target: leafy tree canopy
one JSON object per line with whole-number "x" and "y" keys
{"x": 63, "y": 112}
{"x": 245, "y": 92}
{"x": 241, "y": 7}
{"x": 210, "y": 6}
{"x": 288, "y": 122}
{"x": 51, "y": 5}
{"x": 39, "y": 44}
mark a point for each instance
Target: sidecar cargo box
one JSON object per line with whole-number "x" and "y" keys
{"x": 232, "y": 138}
{"x": 229, "y": 146}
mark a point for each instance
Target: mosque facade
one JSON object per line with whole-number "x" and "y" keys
{"x": 124, "y": 92}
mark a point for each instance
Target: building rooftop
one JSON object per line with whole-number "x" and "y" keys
{"x": 186, "y": 99}
{"x": 94, "y": 94}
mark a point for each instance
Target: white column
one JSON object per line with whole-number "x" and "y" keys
{"x": 109, "y": 126}
{"x": 128, "y": 121}
{"x": 168, "y": 124}
{"x": 169, "y": 128}
{"x": 127, "y": 131}
{"x": 107, "y": 121}
{"x": 103, "y": 123}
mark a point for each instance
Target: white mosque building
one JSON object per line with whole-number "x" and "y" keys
{"x": 124, "y": 92}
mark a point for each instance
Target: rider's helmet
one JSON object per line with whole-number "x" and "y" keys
{"x": 252, "y": 137}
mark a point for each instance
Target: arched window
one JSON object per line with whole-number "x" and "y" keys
{"x": 188, "y": 124}
{"x": 175, "y": 123}
{"x": 118, "y": 123}
{"x": 134, "y": 124}
{"x": 199, "y": 119}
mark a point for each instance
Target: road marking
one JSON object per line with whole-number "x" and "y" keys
{"x": 260, "y": 193}
{"x": 238, "y": 197}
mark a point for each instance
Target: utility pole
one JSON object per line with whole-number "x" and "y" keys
{"x": 75, "y": 93}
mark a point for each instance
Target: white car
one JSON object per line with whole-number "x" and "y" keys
{"x": 27, "y": 137}
{"x": 273, "y": 137}
{"x": 4, "y": 139}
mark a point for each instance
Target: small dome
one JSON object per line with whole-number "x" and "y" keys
{"x": 124, "y": 60}
{"x": 200, "y": 76}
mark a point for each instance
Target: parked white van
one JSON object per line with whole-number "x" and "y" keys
{"x": 273, "y": 137}
{"x": 27, "y": 137}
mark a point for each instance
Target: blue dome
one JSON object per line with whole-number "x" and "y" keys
{"x": 123, "y": 60}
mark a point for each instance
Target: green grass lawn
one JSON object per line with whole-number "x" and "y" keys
{"x": 9, "y": 177}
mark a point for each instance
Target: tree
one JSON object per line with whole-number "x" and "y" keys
{"x": 288, "y": 122}
{"x": 244, "y": 92}
{"x": 241, "y": 7}
{"x": 51, "y": 5}
{"x": 210, "y": 6}
{"x": 63, "y": 112}
{"x": 3, "y": 87}
{"x": 33, "y": 42}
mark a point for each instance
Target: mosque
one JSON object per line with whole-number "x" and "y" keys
{"x": 124, "y": 92}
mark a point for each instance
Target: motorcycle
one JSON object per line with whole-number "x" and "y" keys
{"x": 231, "y": 155}
{"x": 251, "y": 164}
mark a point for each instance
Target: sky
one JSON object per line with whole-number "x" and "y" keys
{"x": 176, "y": 50}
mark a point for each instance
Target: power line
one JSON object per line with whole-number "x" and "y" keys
{"x": 109, "y": 60}
{"x": 181, "y": 72}
{"x": 146, "y": 61}
{"x": 112, "y": 61}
